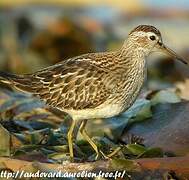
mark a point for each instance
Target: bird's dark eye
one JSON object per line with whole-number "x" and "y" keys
{"x": 152, "y": 38}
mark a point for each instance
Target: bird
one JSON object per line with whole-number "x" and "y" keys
{"x": 95, "y": 85}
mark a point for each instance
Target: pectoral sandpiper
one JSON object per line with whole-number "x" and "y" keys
{"x": 95, "y": 85}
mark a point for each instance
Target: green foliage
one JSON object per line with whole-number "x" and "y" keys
{"x": 165, "y": 96}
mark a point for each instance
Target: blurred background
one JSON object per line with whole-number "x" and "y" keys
{"x": 36, "y": 33}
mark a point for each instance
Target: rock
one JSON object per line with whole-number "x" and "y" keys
{"x": 167, "y": 129}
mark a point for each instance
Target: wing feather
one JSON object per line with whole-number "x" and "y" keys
{"x": 72, "y": 85}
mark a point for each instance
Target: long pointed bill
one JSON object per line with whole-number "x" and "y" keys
{"x": 160, "y": 46}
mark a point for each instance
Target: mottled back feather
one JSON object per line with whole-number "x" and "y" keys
{"x": 71, "y": 85}
{"x": 75, "y": 83}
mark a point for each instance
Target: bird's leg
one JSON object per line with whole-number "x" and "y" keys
{"x": 89, "y": 140}
{"x": 70, "y": 142}
{"x": 114, "y": 152}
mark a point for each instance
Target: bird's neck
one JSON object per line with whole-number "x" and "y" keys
{"x": 132, "y": 55}
{"x": 133, "y": 72}
{"x": 132, "y": 61}
{"x": 131, "y": 48}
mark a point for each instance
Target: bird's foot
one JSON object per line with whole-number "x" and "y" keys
{"x": 114, "y": 152}
{"x": 100, "y": 154}
{"x": 71, "y": 159}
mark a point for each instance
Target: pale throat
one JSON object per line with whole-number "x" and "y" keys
{"x": 135, "y": 57}
{"x": 132, "y": 48}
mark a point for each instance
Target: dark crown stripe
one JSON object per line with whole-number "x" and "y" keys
{"x": 146, "y": 28}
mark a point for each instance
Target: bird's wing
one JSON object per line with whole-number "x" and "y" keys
{"x": 74, "y": 84}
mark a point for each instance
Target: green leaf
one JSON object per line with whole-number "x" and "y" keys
{"x": 136, "y": 149}
{"x": 144, "y": 112}
{"x": 4, "y": 142}
{"x": 151, "y": 153}
{"x": 59, "y": 156}
{"x": 63, "y": 148}
{"x": 165, "y": 96}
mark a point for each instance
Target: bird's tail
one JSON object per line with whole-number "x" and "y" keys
{"x": 20, "y": 82}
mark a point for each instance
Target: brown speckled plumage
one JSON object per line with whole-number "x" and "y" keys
{"x": 84, "y": 82}
{"x": 95, "y": 85}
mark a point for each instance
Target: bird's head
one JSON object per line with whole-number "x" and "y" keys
{"x": 148, "y": 39}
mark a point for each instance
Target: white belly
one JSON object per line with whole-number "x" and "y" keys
{"x": 100, "y": 112}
